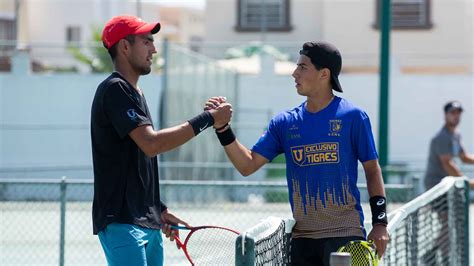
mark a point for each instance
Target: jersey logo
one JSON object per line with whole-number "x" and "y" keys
{"x": 293, "y": 133}
{"x": 132, "y": 114}
{"x": 318, "y": 153}
{"x": 335, "y": 127}
{"x": 204, "y": 127}
{"x": 293, "y": 127}
{"x": 297, "y": 155}
{"x": 380, "y": 202}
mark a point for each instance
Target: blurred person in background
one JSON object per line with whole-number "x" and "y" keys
{"x": 127, "y": 212}
{"x": 445, "y": 147}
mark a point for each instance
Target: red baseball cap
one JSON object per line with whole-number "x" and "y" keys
{"x": 121, "y": 26}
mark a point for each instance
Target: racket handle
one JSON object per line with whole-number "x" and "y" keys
{"x": 177, "y": 227}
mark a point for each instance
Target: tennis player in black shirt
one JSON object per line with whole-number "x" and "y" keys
{"x": 127, "y": 213}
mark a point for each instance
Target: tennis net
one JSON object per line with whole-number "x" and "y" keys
{"x": 432, "y": 229}
{"x": 267, "y": 243}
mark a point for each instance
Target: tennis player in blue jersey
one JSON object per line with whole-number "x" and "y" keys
{"x": 322, "y": 139}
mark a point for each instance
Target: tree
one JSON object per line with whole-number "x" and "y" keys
{"x": 99, "y": 59}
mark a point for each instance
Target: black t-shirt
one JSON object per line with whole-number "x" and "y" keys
{"x": 126, "y": 185}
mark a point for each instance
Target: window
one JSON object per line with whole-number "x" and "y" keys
{"x": 408, "y": 14}
{"x": 7, "y": 29}
{"x": 195, "y": 43}
{"x": 263, "y": 15}
{"x": 73, "y": 34}
{"x": 7, "y": 35}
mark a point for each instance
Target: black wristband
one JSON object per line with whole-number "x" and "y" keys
{"x": 222, "y": 127}
{"x": 378, "y": 206}
{"x": 226, "y": 137}
{"x": 201, "y": 122}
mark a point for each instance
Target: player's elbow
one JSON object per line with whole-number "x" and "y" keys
{"x": 151, "y": 148}
{"x": 245, "y": 174}
{"x": 150, "y": 154}
{"x": 246, "y": 171}
{"x": 146, "y": 140}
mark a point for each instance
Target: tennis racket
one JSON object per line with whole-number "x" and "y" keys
{"x": 208, "y": 245}
{"x": 362, "y": 252}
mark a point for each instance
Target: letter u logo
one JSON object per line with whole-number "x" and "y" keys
{"x": 298, "y": 155}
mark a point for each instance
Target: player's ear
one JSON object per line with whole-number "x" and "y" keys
{"x": 123, "y": 46}
{"x": 325, "y": 73}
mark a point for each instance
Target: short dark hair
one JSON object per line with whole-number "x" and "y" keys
{"x": 306, "y": 47}
{"x": 113, "y": 50}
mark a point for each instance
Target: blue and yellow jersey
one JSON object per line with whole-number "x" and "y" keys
{"x": 322, "y": 151}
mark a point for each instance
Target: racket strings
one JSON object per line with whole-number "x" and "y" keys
{"x": 212, "y": 246}
{"x": 361, "y": 255}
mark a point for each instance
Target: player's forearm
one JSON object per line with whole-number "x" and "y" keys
{"x": 452, "y": 169}
{"x": 170, "y": 138}
{"x": 373, "y": 174}
{"x": 241, "y": 157}
{"x": 173, "y": 137}
{"x": 153, "y": 142}
{"x": 467, "y": 158}
{"x": 375, "y": 185}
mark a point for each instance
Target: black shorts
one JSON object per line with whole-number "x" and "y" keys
{"x": 308, "y": 251}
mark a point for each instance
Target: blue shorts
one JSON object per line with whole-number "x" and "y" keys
{"x": 132, "y": 245}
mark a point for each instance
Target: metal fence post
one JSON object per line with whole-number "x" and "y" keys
{"x": 385, "y": 28}
{"x": 162, "y": 123}
{"x": 62, "y": 222}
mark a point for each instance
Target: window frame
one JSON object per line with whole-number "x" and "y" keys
{"x": 426, "y": 25}
{"x": 70, "y": 32}
{"x": 286, "y": 27}
{"x": 9, "y": 26}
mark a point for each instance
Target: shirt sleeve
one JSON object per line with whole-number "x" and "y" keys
{"x": 444, "y": 146}
{"x": 269, "y": 145}
{"x": 363, "y": 139}
{"x": 461, "y": 146}
{"x": 122, "y": 110}
{"x": 163, "y": 206}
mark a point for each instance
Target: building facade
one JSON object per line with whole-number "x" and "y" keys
{"x": 429, "y": 36}
{"x": 48, "y": 28}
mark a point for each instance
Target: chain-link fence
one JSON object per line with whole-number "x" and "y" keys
{"x": 48, "y": 222}
{"x": 189, "y": 80}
